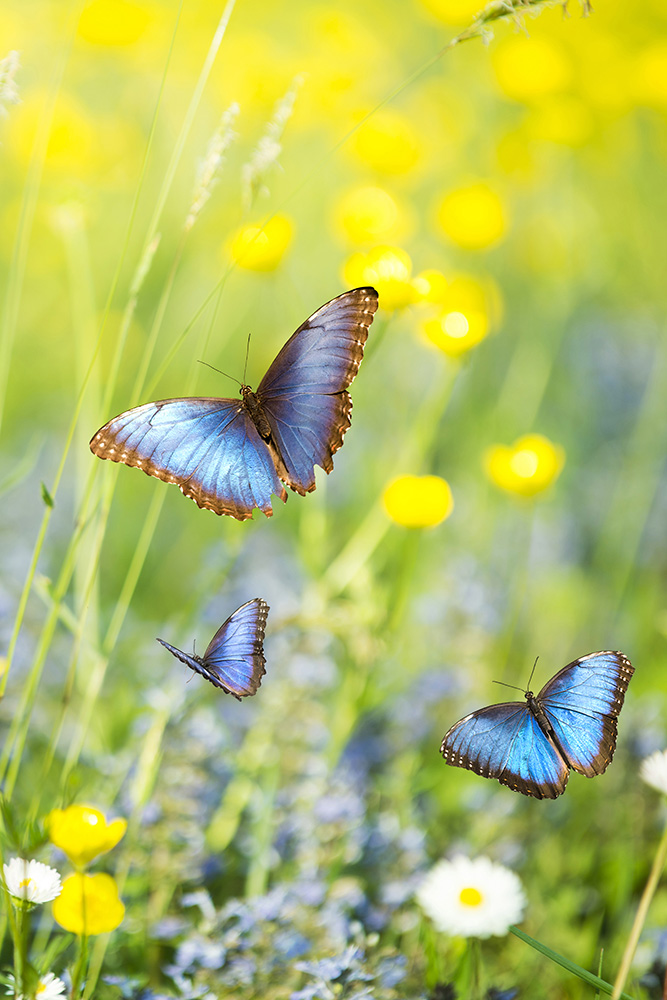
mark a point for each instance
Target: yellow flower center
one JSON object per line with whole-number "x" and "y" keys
{"x": 524, "y": 463}
{"x": 471, "y": 897}
{"x": 25, "y": 882}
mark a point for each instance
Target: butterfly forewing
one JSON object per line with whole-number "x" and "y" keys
{"x": 582, "y": 702}
{"x": 303, "y": 394}
{"x": 505, "y": 742}
{"x": 208, "y": 447}
{"x": 234, "y": 659}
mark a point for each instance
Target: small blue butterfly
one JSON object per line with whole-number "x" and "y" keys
{"x": 234, "y": 659}
{"x": 230, "y": 455}
{"x": 571, "y": 723}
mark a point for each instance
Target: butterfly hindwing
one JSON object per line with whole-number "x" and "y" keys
{"x": 234, "y": 659}
{"x": 582, "y": 702}
{"x": 303, "y": 393}
{"x": 505, "y": 742}
{"x": 208, "y": 447}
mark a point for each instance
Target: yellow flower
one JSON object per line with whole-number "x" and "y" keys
{"x": 650, "y": 76}
{"x": 89, "y": 904}
{"x": 473, "y": 217}
{"x": 528, "y": 69}
{"x": 531, "y": 465}
{"x": 113, "y": 22}
{"x": 387, "y": 142}
{"x": 468, "y": 308}
{"x": 418, "y": 501}
{"x": 258, "y": 248}
{"x": 367, "y": 214}
{"x": 82, "y": 832}
{"x": 431, "y": 286}
{"x": 387, "y": 269}
{"x": 456, "y": 13}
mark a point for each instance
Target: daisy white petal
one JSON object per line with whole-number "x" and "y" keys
{"x": 31, "y": 880}
{"x": 48, "y": 988}
{"x": 653, "y": 770}
{"x": 472, "y": 898}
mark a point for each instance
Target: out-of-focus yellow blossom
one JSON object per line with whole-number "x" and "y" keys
{"x": 454, "y": 12}
{"x": 528, "y": 467}
{"x": 454, "y": 332}
{"x": 388, "y": 143}
{"x": 431, "y": 286}
{"x": 565, "y": 120}
{"x": 89, "y": 904}
{"x": 650, "y": 75}
{"x": 82, "y": 832}
{"x": 387, "y": 269}
{"x": 262, "y": 249}
{"x": 467, "y": 309}
{"x": 528, "y": 69}
{"x": 367, "y": 214}
{"x": 113, "y": 22}
{"x": 473, "y": 217}
{"x": 418, "y": 501}
{"x": 73, "y": 146}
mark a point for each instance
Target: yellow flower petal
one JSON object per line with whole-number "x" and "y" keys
{"x": 530, "y": 466}
{"x": 82, "y": 832}
{"x": 387, "y": 142}
{"x": 367, "y": 214}
{"x": 113, "y": 22}
{"x": 418, "y": 501}
{"x": 387, "y": 269}
{"x": 473, "y": 217}
{"x": 88, "y": 904}
{"x": 262, "y": 249}
{"x": 528, "y": 69}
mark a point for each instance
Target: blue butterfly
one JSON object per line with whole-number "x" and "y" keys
{"x": 571, "y": 723}
{"x": 234, "y": 659}
{"x": 230, "y": 455}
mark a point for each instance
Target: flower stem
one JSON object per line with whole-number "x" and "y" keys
{"x": 640, "y": 916}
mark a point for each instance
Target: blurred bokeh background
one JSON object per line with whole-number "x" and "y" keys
{"x": 509, "y": 204}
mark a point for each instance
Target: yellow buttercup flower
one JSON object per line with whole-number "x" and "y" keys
{"x": 82, "y": 832}
{"x": 650, "y": 75}
{"x": 418, "y": 501}
{"x": 468, "y": 308}
{"x": 431, "y": 286}
{"x": 526, "y": 468}
{"x": 528, "y": 69}
{"x": 258, "y": 248}
{"x": 387, "y": 269}
{"x": 473, "y": 217}
{"x": 113, "y": 22}
{"x": 367, "y": 213}
{"x": 387, "y": 142}
{"x": 89, "y": 904}
{"x": 455, "y": 13}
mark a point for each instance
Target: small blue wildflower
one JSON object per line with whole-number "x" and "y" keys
{"x": 198, "y": 952}
{"x": 391, "y": 971}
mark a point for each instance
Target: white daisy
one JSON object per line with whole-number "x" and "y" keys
{"x": 48, "y": 988}
{"x": 653, "y": 770}
{"x": 31, "y": 880}
{"x": 471, "y": 898}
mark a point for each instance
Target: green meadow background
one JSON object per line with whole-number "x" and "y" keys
{"x": 379, "y": 637}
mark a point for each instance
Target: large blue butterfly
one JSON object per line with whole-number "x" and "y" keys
{"x": 571, "y": 723}
{"x": 234, "y": 659}
{"x": 230, "y": 455}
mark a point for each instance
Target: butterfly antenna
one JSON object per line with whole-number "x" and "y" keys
{"x": 247, "y": 352}
{"x": 221, "y": 373}
{"x": 532, "y": 672}
{"x": 505, "y": 684}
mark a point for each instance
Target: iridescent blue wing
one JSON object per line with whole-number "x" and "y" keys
{"x": 234, "y": 659}
{"x": 505, "y": 742}
{"x": 582, "y": 702}
{"x": 303, "y": 394}
{"x": 209, "y": 447}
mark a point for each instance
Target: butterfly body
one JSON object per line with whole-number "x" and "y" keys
{"x": 229, "y": 455}
{"x": 234, "y": 659}
{"x": 570, "y": 724}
